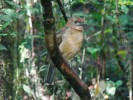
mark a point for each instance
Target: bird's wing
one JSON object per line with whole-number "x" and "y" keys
{"x": 59, "y": 35}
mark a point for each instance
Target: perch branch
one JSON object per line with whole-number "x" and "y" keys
{"x": 50, "y": 38}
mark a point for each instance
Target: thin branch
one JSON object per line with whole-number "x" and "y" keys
{"x": 62, "y": 10}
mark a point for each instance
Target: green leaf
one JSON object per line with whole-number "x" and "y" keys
{"x": 27, "y": 89}
{"x": 13, "y": 34}
{"x": 13, "y": 4}
{"x": 95, "y": 2}
{"x": 2, "y": 48}
{"x": 78, "y": 59}
{"x": 122, "y": 52}
{"x": 118, "y": 83}
{"x": 3, "y": 34}
{"x": 110, "y": 88}
{"x": 123, "y": 19}
{"x": 82, "y": 1}
{"x": 112, "y": 19}
{"x": 5, "y": 25}
{"x": 11, "y": 13}
{"x": 125, "y": 2}
{"x": 108, "y": 30}
{"x": 93, "y": 51}
{"x": 125, "y": 9}
{"x": 42, "y": 68}
{"x": 32, "y": 10}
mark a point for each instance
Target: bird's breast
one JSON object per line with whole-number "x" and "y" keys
{"x": 71, "y": 43}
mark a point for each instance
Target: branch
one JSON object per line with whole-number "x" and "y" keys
{"x": 62, "y": 10}
{"x": 50, "y": 38}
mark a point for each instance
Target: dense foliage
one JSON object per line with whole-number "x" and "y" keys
{"x": 104, "y": 63}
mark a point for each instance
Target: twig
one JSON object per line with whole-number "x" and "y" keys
{"x": 62, "y": 10}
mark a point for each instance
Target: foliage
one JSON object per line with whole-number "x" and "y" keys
{"x": 103, "y": 62}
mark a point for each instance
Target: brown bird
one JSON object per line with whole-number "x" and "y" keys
{"x": 69, "y": 39}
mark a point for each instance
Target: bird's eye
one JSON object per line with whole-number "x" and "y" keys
{"x": 76, "y": 22}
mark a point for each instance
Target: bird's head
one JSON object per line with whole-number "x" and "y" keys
{"x": 76, "y": 23}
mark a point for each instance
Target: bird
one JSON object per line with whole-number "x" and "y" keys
{"x": 69, "y": 40}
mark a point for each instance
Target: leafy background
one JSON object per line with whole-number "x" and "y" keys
{"x": 104, "y": 62}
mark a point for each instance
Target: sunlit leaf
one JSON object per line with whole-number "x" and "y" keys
{"x": 122, "y": 52}
{"x": 125, "y": 2}
{"x": 110, "y": 88}
{"x": 108, "y": 30}
{"x": 82, "y": 1}
{"x": 27, "y": 89}
{"x": 12, "y": 13}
